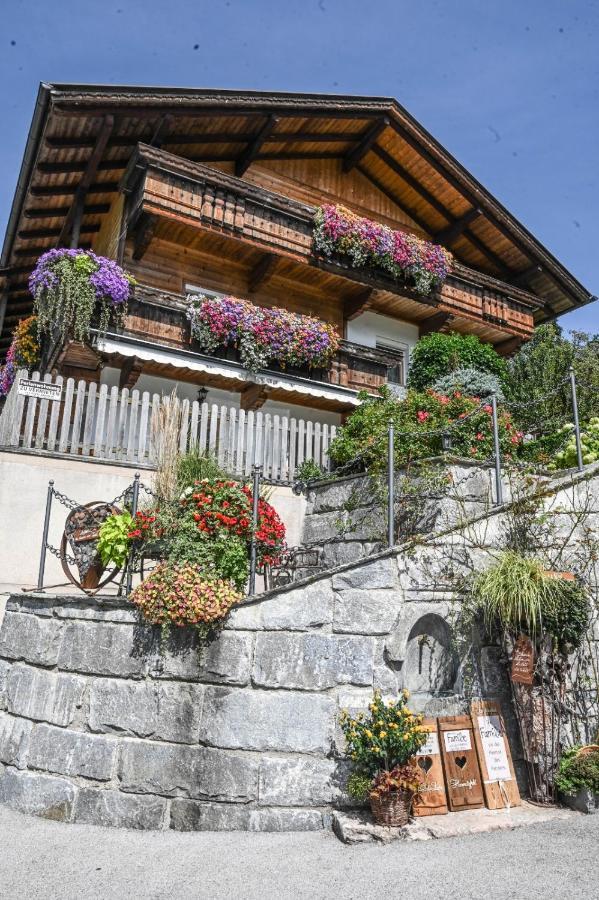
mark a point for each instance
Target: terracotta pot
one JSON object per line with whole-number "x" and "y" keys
{"x": 392, "y": 809}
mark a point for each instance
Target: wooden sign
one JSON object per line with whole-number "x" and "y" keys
{"x": 460, "y": 762}
{"x": 523, "y": 661}
{"x": 431, "y": 799}
{"x": 495, "y": 760}
{"x": 40, "y": 389}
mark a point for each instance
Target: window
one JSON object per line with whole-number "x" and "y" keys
{"x": 396, "y": 374}
{"x": 201, "y": 291}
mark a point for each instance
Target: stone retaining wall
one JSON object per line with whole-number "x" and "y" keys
{"x": 99, "y": 724}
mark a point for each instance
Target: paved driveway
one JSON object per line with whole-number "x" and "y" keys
{"x": 50, "y": 860}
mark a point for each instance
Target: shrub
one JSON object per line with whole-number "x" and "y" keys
{"x": 309, "y": 470}
{"x": 578, "y": 771}
{"x": 364, "y": 435}
{"x": 471, "y": 382}
{"x": 182, "y": 595}
{"x": 69, "y": 286}
{"x": 438, "y": 354}
{"x": 389, "y": 736}
{"x": 589, "y": 441}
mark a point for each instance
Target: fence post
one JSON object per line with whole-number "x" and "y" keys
{"x": 498, "y": 484}
{"x": 391, "y": 486}
{"x": 134, "y": 505}
{"x": 40, "y": 575}
{"x": 256, "y": 470}
{"x": 576, "y": 419}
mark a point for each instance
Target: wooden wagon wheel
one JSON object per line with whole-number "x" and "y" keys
{"x": 85, "y": 584}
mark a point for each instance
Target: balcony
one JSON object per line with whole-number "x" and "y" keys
{"x": 176, "y": 198}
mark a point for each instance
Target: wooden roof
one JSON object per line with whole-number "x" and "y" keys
{"x": 82, "y": 138}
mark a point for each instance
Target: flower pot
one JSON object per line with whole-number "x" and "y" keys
{"x": 392, "y": 808}
{"x": 584, "y": 801}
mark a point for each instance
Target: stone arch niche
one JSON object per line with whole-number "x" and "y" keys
{"x": 430, "y": 666}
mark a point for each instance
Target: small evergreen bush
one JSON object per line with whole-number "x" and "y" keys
{"x": 438, "y": 354}
{"x": 471, "y": 382}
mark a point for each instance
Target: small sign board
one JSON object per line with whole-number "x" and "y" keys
{"x": 523, "y": 661}
{"x": 42, "y": 390}
{"x": 497, "y": 768}
{"x": 460, "y": 761}
{"x": 431, "y": 799}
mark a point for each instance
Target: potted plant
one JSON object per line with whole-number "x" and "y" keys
{"x": 578, "y": 778}
{"x": 381, "y": 746}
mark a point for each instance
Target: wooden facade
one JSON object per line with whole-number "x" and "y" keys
{"x": 218, "y": 190}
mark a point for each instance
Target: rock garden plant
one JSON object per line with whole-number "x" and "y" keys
{"x": 381, "y": 746}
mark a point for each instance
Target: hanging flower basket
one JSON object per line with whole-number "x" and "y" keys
{"x": 72, "y": 288}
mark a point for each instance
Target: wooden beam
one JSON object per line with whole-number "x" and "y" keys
{"x": 395, "y": 199}
{"x": 130, "y": 372}
{"x": 488, "y": 253}
{"x": 355, "y": 306}
{"x": 354, "y": 156}
{"x": 253, "y": 397}
{"x": 454, "y": 230}
{"x": 57, "y": 212}
{"x": 253, "y": 149}
{"x": 435, "y": 323}
{"x": 67, "y": 190}
{"x": 262, "y": 272}
{"x": 144, "y": 232}
{"x": 521, "y": 279}
{"x": 211, "y": 137}
{"x": 160, "y": 135}
{"x": 66, "y": 168}
{"x": 72, "y": 222}
{"x": 28, "y": 234}
{"x": 31, "y": 252}
{"x": 413, "y": 182}
{"x": 506, "y": 348}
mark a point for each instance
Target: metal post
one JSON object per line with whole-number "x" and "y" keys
{"x": 256, "y": 471}
{"x": 391, "y": 486}
{"x": 498, "y": 485}
{"x": 134, "y": 505}
{"x": 40, "y": 576}
{"x": 576, "y": 419}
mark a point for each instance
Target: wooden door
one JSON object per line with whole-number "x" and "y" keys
{"x": 460, "y": 762}
{"x": 431, "y": 799}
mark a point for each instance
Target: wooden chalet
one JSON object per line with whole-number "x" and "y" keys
{"x": 215, "y": 191}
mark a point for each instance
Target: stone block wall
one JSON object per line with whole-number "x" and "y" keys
{"x": 101, "y": 723}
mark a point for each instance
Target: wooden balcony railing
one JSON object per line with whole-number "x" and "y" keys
{"x": 164, "y": 185}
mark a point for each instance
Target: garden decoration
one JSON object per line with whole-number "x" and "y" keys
{"x": 23, "y": 353}
{"x": 71, "y": 287}
{"x": 368, "y": 244}
{"x": 578, "y": 778}
{"x": 261, "y": 335}
{"x": 381, "y": 747}
{"x": 81, "y": 533}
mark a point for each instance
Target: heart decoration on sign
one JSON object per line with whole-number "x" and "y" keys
{"x": 425, "y": 763}
{"x": 461, "y": 761}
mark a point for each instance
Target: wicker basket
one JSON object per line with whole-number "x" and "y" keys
{"x": 392, "y": 809}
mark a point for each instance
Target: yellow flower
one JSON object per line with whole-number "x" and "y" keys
{"x": 368, "y": 733}
{"x": 406, "y": 737}
{"x": 405, "y": 693}
{"x": 382, "y": 734}
{"x": 374, "y": 750}
{"x": 393, "y": 725}
{"x": 380, "y": 723}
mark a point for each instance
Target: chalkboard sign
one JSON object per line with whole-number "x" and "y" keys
{"x": 431, "y": 799}
{"x": 497, "y": 768}
{"x": 460, "y": 762}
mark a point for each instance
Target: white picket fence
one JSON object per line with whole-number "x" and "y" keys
{"x": 108, "y": 423}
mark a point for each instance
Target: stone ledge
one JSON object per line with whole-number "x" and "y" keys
{"x": 358, "y": 827}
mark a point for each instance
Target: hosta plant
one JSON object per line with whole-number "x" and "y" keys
{"x": 71, "y": 287}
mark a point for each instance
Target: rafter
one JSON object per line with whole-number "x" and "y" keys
{"x": 522, "y": 278}
{"x": 212, "y": 137}
{"x": 28, "y": 234}
{"x": 253, "y": 149}
{"x": 435, "y": 323}
{"x": 354, "y": 156}
{"x": 505, "y": 348}
{"x": 413, "y": 182}
{"x": 72, "y": 222}
{"x": 393, "y": 198}
{"x": 448, "y": 235}
{"x": 57, "y": 212}
{"x": 355, "y": 306}
{"x": 262, "y": 272}
{"x": 253, "y": 397}
{"x": 67, "y": 190}
{"x": 143, "y": 234}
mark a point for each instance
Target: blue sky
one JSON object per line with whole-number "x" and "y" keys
{"x": 510, "y": 88}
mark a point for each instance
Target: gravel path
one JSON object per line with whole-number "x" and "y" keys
{"x": 50, "y": 860}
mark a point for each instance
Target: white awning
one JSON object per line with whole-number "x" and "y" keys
{"x": 193, "y": 363}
